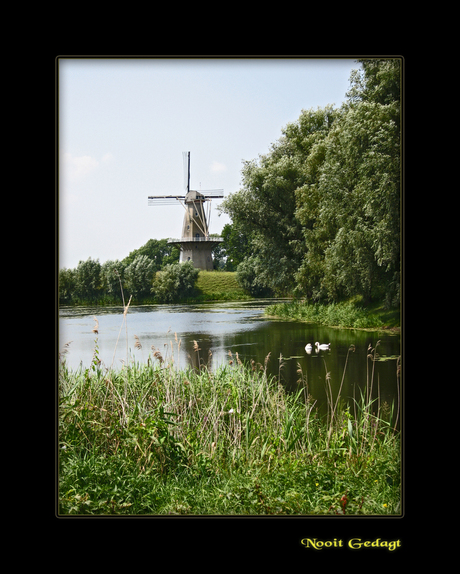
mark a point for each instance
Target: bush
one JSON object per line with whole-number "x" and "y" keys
{"x": 175, "y": 282}
{"x": 248, "y": 278}
{"x": 139, "y": 276}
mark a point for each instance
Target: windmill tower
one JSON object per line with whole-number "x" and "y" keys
{"x": 195, "y": 244}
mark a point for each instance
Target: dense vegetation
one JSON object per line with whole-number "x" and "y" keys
{"x": 319, "y": 215}
{"x": 153, "y": 439}
{"x": 150, "y": 274}
{"x": 349, "y": 314}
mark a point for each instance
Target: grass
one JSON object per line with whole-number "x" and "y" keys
{"x": 154, "y": 439}
{"x": 347, "y": 314}
{"x": 218, "y": 286}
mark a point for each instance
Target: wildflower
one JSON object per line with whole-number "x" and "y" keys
{"x": 317, "y": 484}
{"x": 385, "y": 505}
{"x": 231, "y": 411}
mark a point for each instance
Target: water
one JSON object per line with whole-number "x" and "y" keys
{"x": 240, "y": 327}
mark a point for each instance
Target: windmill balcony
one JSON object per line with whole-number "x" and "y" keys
{"x": 193, "y": 239}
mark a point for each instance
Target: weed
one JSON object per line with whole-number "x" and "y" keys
{"x": 233, "y": 439}
{"x": 155, "y": 439}
{"x": 347, "y": 314}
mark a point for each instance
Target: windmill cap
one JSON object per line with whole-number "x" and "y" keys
{"x": 193, "y": 196}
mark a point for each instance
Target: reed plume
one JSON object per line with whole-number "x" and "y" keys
{"x": 96, "y": 326}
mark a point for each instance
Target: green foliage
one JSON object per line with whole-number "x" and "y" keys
{"x": 152, "y": 439}
{"x": 175, "y": 282}
{"x": 249, "y": 277}
{"x": 92, "y": 282}
{"x": 265, "y": 209}
{"x": 112, "y": 272}
{"x": 353, "y": 245}
{"x": 66, "y": 283}
{"x": 236, "y": 246}
{"x": 321, "y": 210}
{"x": 345, "y": 314}
{"x": 157, "y": 250}
{"x": 87, "y": 279}
{"x": 139, "y": 276}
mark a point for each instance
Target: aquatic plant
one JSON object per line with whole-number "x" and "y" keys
{"x": 152, "y": 438}
{"x": 350, "y": 314}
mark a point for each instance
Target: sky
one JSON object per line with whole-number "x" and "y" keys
{"x": 123, "y": 125}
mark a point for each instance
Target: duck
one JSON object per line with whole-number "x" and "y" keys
{"x": 323, "y": 347}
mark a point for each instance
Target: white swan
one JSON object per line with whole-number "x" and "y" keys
{"x": 323, "y": 347}
{"x": 308, "y": 348}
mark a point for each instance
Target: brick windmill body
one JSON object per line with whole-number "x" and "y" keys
{"x": 195, "y": 243}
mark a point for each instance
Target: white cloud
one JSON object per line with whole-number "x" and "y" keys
{"x": 218, "y": 167}
{"x": 77, "y": 167}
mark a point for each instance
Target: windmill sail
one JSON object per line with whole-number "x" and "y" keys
{"x": 186, "y": 160}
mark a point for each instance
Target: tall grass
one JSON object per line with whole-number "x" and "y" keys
{"x": 153, "y": 438}
{"x": 345, "y": 314}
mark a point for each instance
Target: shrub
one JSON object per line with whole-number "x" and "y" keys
{"x": 175, "y": 282}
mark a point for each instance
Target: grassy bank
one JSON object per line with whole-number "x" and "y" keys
{"x": 218, "y": 286}
{"x": 154, "y": 439}
{"x": 350, "y": 314}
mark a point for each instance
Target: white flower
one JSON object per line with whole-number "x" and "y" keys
{"x": 231, "y": 411}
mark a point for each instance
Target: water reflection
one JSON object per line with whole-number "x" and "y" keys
{"x": 243, "y": 329}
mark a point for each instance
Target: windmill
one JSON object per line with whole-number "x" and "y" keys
{"x": 195, "y": 244}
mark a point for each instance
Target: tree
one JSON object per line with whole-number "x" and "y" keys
{"x": 111, "y": 274}
{"x": 87, "y": 279}
{"x": 351, "y": 209}
{"x": 379, "y": 81}
{"x": 157, "y": 250}
{"x": 236, "y": 246}
{"x": 265, "y": 208}
{"x": 66, "y": 285}
{"x": 175, "y": 282}
{"x": 139, "y": 275}
{"x": 248, "y": 277}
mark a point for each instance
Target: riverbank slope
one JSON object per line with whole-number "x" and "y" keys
{"x": 218, "y": 286}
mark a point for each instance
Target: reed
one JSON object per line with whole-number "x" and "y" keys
{"x": 153, "y": 424}
{"x": 346, "y": 314}
{"x": 154, "y": 438}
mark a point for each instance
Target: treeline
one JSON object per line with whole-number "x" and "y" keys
{"x": 93, "y": 282}
{"x": 319, "y": 215}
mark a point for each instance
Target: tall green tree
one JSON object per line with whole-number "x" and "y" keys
{"x": 236, "y": 246}
{"x": 112, "y": 272}
{"x": 158, "y": 250}
{"x": 265, "y": 208}
{"x": 66, "y": 285}
{"x": 139, "y": 276}
{"x": 351, "y": 211}
{"x": 88, "y": 279}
